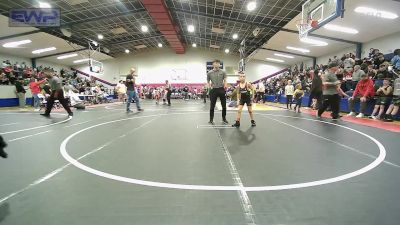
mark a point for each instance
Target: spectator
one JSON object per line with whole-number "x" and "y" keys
{"x": 396, "y": 59}
{"x": 289, "y": 90}
{"x": 34, "y": 85}
{"x": 205, "y": 93}
{"x": 394, "y": 107}
{"x": 3, "y": 78}
{"x": 356, "y": 76}
{"x": 384, "y": 98}
{"x": 348, "y": 62}
{"x": 260, "y": 92}
{"x": 298, "y": 97}
{"x": 383, "y": 71}
{"x": 362, "y": 93}
{"x": 121, "y": 91}
{"x": 379, "y": 60}
{"x": 20, "y": 91}
{"x": 316, "y": 90}
{"x": 75, "y": 101}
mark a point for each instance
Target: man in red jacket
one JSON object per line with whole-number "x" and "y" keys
{"x": 364, "y": 91}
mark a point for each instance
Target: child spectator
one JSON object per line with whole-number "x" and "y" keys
{"x": 384, "y": 98}
{"x": 394, "y": 107}
{"x": 289, "y": 91}
{"x": 298, "y": 97}
{"x": 363, "y": 91}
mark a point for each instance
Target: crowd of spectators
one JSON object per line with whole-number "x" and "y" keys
{"x": 185, "y": 92}
{"x": 23, "y": 77}
{"x": 362, "y": 79}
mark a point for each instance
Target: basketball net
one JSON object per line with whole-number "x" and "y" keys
{"x": 303, "y": 25}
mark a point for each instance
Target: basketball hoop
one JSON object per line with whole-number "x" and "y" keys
{"x": 303, "y": 25}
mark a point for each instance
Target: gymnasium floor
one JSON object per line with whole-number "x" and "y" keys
{"x": 168, "y": 166}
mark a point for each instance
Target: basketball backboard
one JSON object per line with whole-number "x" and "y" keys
{"x": 316, "y": 13}
{"x": 95, "y": 66}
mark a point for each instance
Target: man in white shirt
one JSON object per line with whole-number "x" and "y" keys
{"x": 261, "y": 92}
{"x": 75, "y": 101}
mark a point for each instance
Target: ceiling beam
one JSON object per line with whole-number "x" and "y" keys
{"x": 60, "y": 53}
{"x": 133, "y": 40}
{"x": 227, "y": 19}
{"x": 221, "y": 40}
{"x": 103, "y": 17}
{"x": 20, "y": 34}
{"x": 289, "y": 53}
{"x": 276, "y": 28}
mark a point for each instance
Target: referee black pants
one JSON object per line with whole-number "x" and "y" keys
{"x": 216, "y": 93}
{"x": 57, "y": 95}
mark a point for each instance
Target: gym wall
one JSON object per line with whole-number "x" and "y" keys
{"x": 158, "y": 65}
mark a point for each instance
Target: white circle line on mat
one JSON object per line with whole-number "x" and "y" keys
{"x": 375, "y": 163}
{"x": 37, "y": 127}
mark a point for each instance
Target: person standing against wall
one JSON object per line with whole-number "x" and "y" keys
{"x": 168, "y": 90}
{"x": 216, "y": 80}
{"x": 20, "y": 91}
{"x": 261, "y": 92}
{"x": 205, "y": 93}
{"x": 132, "y": 91}
{"x": 289, "y": 90}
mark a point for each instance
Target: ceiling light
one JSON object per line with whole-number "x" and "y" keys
{"x": 194, "y": 45}
{"x": 16, "y": 43}
{"x": 67, "y": 56}
{"x": 275, "y": 60}
{"x": 100, "y": 36}
{"x": 313, "y": 42}
{"x": 38, "y": 51}
{"x": 159, "y": 45}
{"x": 235, "y": 36}
{"x": 127, "y": 51}
{"x": 191, "y": 28}
{"x": 44, "y": 5}
{"x": 377, "y": 13}
{"x": 95, "y": 43}
{"x": 340, "y": 29}
{"x": 81, "y": 60}
{"x": 284, "y": 56}
{"x": 226, "y": 51}
{"x": 145, "y": 28}
{"x": 251, "y": 5}
{"x": 298, "y": 49}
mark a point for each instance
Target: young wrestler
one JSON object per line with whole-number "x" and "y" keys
{"x": 245, "y": 94}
